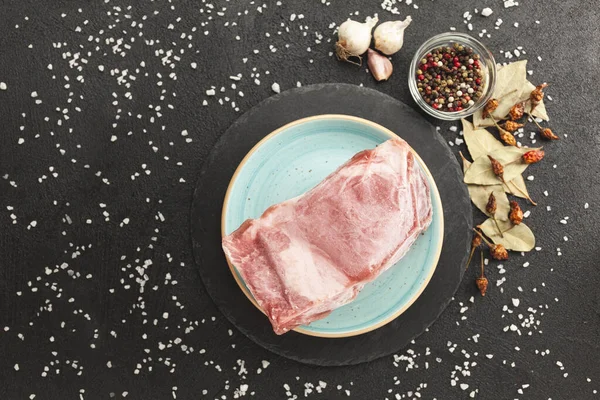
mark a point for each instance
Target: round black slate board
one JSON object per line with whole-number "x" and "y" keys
{"x": 270, "y": 115}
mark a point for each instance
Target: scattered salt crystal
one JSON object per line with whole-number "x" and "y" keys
{"x": 586, "y": 206}
{"x": 194, "y": 65}
{"x": 275, "y": 87}
{"x": 486, "y": 12}
{"x": 526, "y": 264}
{"x": 530, "y": 178}
{"x": 515, "y": 302}
{"x": 3, "y": 86}
{"x": 16, "y": 367}
{"x": 210, "y": 92}
{"x": 526, "y": 214}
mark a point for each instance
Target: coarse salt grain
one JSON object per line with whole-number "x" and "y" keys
{"x": 275, "y": 87}
{"x": 486, "y": 12}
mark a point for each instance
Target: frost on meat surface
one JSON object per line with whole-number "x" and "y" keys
{"x": 309, "y": 255}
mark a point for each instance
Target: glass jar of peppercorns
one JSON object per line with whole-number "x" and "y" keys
{"x": 452, "y": 75}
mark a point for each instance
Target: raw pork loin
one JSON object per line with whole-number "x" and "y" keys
{"x": 307, "y": 256}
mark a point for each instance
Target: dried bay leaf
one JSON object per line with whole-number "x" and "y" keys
{"x": 481, "y": 142}
{"x": 466, "y": 163}
{"x": 510, "y": 81}
{"x": 516, "y": 237}
{"x": 481, "y": 172}
{"x": 517, "y": 187}
{"x": 480, "y": 195}
{"x": 512, "y": 87}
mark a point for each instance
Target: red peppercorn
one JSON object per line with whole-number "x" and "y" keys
{"x": 458, "y": 103}
{"x": 467, "y": 98}
{"x": 470, "y": 67}
{"x": 478, "y": 81}
{"x": 438, "y": 76}
{"x": 459, "y": 108}
{"x": 421, "y": 77}
{"x": 428, "y": 55}
{"x": 430, "y": 59}
{"x": 455, "y": 59}
{"x": 456, "y": 64}
{"x": 450, "y": 108}
{"x": 447, "y": 56}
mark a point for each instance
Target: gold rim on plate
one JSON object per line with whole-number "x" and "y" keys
{"x": 436, "y": 199}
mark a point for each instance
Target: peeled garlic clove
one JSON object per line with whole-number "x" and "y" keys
{"x": 379, "y": 65}
{"x": 389, "y": 36}
{"x": 354, "y": 38}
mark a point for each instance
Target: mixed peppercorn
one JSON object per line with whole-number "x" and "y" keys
{"x": 450, "y": 78}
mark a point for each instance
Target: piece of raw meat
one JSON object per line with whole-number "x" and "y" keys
{"x": 307, "y": 256}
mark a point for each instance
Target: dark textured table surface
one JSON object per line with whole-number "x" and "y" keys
{"x": 104, "y": 131}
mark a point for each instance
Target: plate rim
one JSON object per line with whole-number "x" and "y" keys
{"x": 436, "y": 198}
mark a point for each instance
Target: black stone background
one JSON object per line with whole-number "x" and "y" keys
{"x": 59, "y": 315}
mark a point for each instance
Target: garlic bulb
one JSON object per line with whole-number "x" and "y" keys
{"x": 379, "y": 65}
{"x": 354, "y": 39}
{"x": 389, "y": 36}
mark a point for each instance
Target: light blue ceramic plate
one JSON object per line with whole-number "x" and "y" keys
{"x": 292, "y": 160}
